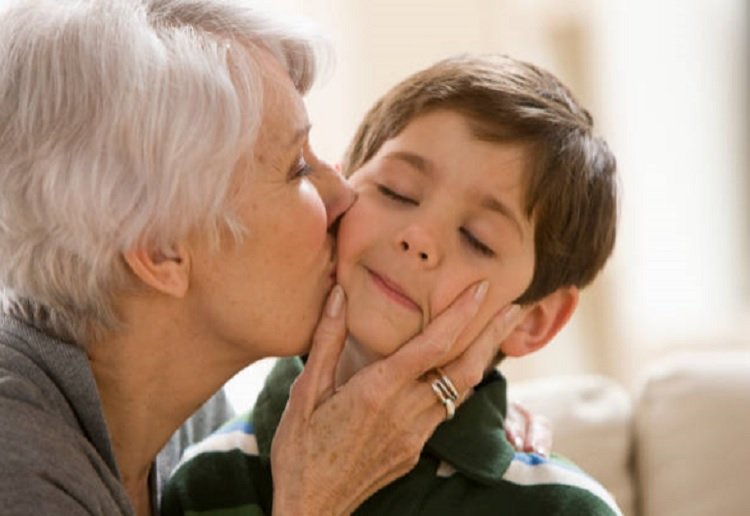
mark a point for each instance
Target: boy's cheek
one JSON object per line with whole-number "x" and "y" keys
{"x": 357, "y": 234}
{"x": 345, "y": 261}
{"x": 481, "y": 321}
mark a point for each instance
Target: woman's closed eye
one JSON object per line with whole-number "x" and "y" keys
{"x": 395, "y": 196}
{"x": 300, "y": 169}
{"x": 476, "y": 244}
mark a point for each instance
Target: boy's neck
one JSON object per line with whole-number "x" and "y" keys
{"x": 352, "y": 359}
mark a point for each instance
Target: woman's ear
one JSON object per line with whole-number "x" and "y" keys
{"x": 540, "y": 322}
{"x": 165, "y": 270}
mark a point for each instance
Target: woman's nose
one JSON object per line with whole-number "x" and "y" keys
{"x": 420, "y": 246}
{"x": 336, "y": 193}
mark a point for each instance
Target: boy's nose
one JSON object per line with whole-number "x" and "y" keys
{"x": 420, "y": 246}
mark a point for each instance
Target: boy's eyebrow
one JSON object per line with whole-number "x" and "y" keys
{"x": 486, "y": 201}
{"x": 489, "y": 202}
{"x": 420, "y": 163}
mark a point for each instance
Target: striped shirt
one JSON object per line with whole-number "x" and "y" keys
{"x": 467, "y": 468}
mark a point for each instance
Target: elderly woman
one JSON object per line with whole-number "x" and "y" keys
{"x": 163, "y": 223}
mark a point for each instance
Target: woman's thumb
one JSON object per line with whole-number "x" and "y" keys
{"x": 317, "y": 380}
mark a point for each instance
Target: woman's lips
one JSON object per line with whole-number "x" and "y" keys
{"x": 393, "y": 291}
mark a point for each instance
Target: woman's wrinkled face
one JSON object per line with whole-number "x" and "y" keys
{"x": 437, "y": 210}
{"x": 263, "y": 295}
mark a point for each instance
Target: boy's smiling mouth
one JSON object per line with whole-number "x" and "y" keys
{"x": 392, "y": 290}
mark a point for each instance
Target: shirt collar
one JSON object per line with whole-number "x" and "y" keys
{"x": 474, "y": 441}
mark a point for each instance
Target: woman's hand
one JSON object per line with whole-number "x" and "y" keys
{"x": 526, "y": 431}
{"x": 334, "y": 449}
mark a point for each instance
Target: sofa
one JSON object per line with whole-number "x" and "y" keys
{"x": 676, "y": 444}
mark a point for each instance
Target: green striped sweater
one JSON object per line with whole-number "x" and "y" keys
{"x": 467, "y": 468}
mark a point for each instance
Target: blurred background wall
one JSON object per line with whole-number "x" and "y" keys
{"x": 667, "y": 83}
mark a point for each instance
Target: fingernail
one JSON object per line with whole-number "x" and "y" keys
{"x": 510, "y": 312}
{"x": 481, "y": 290}
{"x": 335, "y": 301}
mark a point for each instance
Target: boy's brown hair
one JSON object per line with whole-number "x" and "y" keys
{"x": 571, "y": 190}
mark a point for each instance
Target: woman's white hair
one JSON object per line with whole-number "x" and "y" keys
{"x": 122, "y": 121}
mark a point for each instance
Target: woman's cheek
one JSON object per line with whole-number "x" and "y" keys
{"x": 312, "y": 213}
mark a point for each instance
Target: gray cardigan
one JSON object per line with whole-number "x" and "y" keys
{"x": 55, "y": 453}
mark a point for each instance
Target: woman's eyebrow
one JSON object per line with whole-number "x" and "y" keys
{"x": 299, "y": 134}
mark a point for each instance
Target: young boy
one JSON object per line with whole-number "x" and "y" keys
{"x": 475, "y": 168}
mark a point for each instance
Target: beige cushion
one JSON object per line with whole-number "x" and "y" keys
{"x": 692, "y": 430}
{"x": 591, "y": 421}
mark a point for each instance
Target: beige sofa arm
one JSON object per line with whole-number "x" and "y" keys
{"x": 681, "y": 449}
{"x": 692, "y": 432}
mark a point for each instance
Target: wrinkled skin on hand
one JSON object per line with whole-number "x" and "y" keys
{"x": 335, "y": 448}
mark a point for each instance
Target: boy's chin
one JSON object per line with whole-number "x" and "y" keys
{"x": 380, "y": 344}
{"x": 377, "y": 336}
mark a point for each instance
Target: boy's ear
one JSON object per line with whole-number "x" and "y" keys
{"x": 165, "y": 270}
{"x": 540, "y": 322}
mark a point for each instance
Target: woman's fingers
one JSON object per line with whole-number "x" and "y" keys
{"x": 400, "y": 372}
{"x": 372, "y": 429}
{"x": 316, "y": 383}
{"x": 367, "y": 434}
{"x": 334, "y": 449}
{"x": 538, "y": 436}
{"x": 352, "y": 443}
{"x": 515, "y": 425}
{"x": 467, "y": 370}
{"x": 527, "y": 431}
{"x": 403, "y": 453}
{"x": 432, "y": 347}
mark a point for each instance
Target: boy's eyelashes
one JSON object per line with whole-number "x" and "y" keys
{"x": 475, "y": 243}
{"x": 396, "y": 196}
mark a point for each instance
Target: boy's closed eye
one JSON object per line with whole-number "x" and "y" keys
{"x": 470, "y": 238}
{"x": 476, "y": 243}
{"x": 395, "y": 196}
